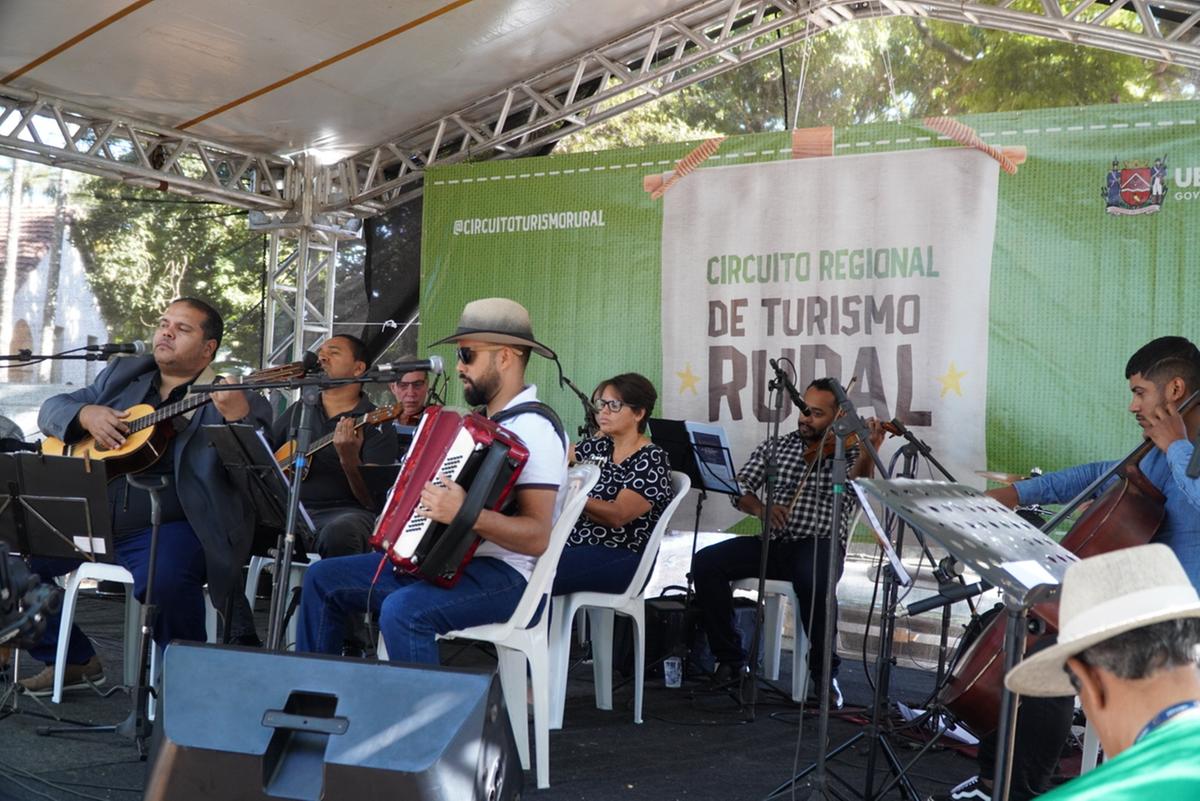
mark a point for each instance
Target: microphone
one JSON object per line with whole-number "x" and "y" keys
{"x": 782, "y": 376}
{"x": 311, "y": 362}
{"x": 947, "y": 596}
{"x": 137, "y": 347}
{"x": 433, "y": 364}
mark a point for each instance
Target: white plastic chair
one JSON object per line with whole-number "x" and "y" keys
{"x": 258, "y": 564}
{"x": 520, "y": 641}
{"x": 109, "y": 572}
{"x": 777, "y": 592}
{"x": 602, "y": 609}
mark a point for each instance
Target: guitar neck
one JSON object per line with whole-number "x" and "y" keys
{"x": 163, "y": 413}
{"x": 322, "y": 442}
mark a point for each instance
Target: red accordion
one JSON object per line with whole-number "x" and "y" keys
{"x": 471, "y": 450}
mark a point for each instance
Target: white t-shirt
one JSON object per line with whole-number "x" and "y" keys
{"x": 546, "y": 468}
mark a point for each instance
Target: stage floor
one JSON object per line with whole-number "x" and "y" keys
{"x": 692, "y": 745}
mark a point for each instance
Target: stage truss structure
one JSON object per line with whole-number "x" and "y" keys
{"x": 308, "y": 209}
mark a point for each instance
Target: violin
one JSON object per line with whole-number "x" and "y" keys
{"x": 823, "y": 448}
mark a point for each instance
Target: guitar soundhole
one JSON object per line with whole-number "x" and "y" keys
{"x": 101, "y": 448}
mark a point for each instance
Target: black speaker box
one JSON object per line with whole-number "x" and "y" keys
{"x": 240, "y": 724}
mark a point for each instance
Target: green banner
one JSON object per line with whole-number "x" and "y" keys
{"x": 1089, "y": 259}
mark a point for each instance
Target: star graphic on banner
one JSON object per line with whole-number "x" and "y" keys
{"x": 688, "y": 380}
{"x": 952, "y": 381}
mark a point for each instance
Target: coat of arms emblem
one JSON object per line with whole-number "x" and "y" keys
{"x": 1135, "y": 187}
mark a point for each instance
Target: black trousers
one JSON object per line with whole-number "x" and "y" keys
{"x": 804, "y": 562}
{"x": 1043, "y": 725}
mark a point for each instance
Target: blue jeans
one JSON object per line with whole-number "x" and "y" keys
{"x": 178, "y": 589}
{"x": 411, "y": 611}
{"x": 595, "y": 568}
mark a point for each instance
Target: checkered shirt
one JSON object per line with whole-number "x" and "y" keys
{"x": 812, "y": 514}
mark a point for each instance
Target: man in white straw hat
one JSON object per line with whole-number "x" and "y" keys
{"x": 494, "y": 338}
{"x": 1128, "y": 644}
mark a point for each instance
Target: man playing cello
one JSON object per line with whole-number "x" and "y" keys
{"x": 1162, "y": 375}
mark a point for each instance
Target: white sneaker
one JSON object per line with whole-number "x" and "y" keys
{"x": 970, "y": 790}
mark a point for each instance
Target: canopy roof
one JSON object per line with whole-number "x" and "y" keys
{"x": 216, "y": 98}
{"x": 281, "y": 76}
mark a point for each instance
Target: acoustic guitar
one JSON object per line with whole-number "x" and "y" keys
{"x": 286, "y": 455}
{"x": 150, "y": 429}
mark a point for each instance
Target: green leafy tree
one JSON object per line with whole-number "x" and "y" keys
{"x": 889, "y": 69}
{"x": 144, "y": 248}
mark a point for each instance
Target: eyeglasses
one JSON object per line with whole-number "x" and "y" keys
{"x": 466, "y": 355}
{"x": 402, "y": 386}
{"x": 614, "y": 406}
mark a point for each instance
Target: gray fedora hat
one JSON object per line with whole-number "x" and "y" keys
{"x": 1102, "y": 597}
{"x": 498, "y": 320}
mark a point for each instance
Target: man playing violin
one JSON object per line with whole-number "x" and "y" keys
{"x": 801, "y": 519}
{"x": 333, "y": 489}
{"x": 1162, "y": 375}
{"x": 412, "y": 393}
{"x": 206, "y": 532}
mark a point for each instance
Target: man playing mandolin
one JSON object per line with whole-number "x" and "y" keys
{"x": 333, "y": 490}
{"x": 206, "y": 532}
{"x": 1162, "y": 376}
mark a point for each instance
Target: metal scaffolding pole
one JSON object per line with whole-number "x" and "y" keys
{"x": 301, "y": 270}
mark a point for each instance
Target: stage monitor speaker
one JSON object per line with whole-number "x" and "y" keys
{"x": 241, "y": 724}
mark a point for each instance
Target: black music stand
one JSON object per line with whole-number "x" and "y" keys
{"x": 1006, "y": 551}
{"x": 698, "y": 456}
{"x": 249, "y": 459}
{"x": 53, "y": 506}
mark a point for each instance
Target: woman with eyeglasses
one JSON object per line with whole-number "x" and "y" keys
{"x": 606, "y": 544}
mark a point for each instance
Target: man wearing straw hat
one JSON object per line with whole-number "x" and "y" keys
{"x": 1128, "y": 645}
{"x": 495, "y": 339}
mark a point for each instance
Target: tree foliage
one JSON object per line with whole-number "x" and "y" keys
{"x": 935, "y": 69}
{"x": 143, "y": 248}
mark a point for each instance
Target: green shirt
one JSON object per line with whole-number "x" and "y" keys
{"x": 1165, "y": 765}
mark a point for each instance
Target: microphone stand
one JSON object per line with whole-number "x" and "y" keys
{"x": 770, "y": 478}
{"x": 310, "y": 395}
{"x": 589, "y": 426}
{"x": 27, "y": 356}
{"x": 844, "y": 426}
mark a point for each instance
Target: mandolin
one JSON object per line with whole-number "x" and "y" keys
{"x": 286, "y": 455}
{"x": 150, "y": 429}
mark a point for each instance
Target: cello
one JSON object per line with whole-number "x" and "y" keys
{"x": 1127, "y": 514}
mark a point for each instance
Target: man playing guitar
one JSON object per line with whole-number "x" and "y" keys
{"x": 332, "y": 489}
{"x": 206, "y": 532}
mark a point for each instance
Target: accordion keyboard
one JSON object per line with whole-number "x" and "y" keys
{"x": 452, "y": 465}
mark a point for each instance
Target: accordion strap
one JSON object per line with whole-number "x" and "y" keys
{"x": 533, "y": 407}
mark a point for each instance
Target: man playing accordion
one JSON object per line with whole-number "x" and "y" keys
{"x": 495, "y": 340}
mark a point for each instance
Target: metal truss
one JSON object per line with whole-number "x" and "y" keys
{"x": 301, "y": 269}
{"x": 51, "y": 131}
{"x": 700, "y": 42}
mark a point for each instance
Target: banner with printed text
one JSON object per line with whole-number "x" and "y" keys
{"x": 992, "y": 313}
